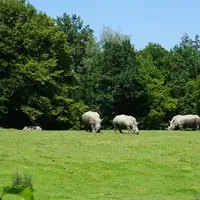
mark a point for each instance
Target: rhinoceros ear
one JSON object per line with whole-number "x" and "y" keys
{"x": 169, "y": 121}
{"x": 137, "y": 123}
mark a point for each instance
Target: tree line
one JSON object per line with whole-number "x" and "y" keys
{"x": 52, "y": 70}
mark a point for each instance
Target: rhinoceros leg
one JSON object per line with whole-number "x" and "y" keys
{"x": 120, "y": 130}
{"x": 181, "y": 127}
{"x": 93, "y": 128}
{"x": 87, "y": 128}
{"x": 129, "y": 129}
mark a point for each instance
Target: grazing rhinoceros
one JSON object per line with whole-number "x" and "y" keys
{"x": 121, "y": 122}
{"x": 184, "y": 121}
{"x": 91, "y": 121}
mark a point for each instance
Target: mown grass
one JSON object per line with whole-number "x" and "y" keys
{"x": 155, "y": 165}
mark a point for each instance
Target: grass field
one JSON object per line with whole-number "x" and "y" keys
{"x": 79, "y": 165}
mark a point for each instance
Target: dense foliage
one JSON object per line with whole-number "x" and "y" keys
{"x": 53, "y": 70}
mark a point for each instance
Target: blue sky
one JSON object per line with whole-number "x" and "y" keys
{"x": 159, "y": 21}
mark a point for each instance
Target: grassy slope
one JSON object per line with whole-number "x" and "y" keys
{"x": 80, "y": 165}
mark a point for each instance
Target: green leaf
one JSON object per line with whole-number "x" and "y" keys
{"x": 26, "y": 193}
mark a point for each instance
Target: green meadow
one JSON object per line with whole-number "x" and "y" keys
{"x": 80, "y": 165}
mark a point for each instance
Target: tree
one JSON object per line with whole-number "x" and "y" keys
{"x": 184, "y": 67}
{"x": 77, "y": 36}
{"x": 112, "y": 81}
{"x": 151, "y": 71}
{"x": 36, "y": 77}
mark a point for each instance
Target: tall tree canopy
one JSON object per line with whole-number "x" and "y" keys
{"x": 152, "y": 72}
{"x": 77, "y": 36}
{"x": 36, "y": 77}
{"x": 113, "y": 85}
